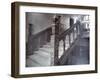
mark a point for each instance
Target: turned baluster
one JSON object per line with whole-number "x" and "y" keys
{"x": 69, "y": 39}
{"x": 64, "y": 45}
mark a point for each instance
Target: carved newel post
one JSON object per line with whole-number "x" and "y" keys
{"x": 56, "y": 44}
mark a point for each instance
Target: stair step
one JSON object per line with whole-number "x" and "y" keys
{"x": 43, "y": 56}
{"x": 46, "y": 46}
{"x": 40, "y": 60}
{"x": 48, "y": 50}
{"x": 52, "y": 38}
{"x": 42, "y": 53}
{"x": 31, "y": 63}
{"x": 49, "y": 46}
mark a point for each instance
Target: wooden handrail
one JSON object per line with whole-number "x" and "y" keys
{"x": 67, "y": 32}
{"x": 72, "y": 34}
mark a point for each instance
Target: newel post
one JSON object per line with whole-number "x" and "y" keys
{"x": 56, "y": 44}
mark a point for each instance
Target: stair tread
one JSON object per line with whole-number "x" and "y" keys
{"x": 40, "y": 60}
{"x": 48, "y": 46}
{"x": 42, "y": 57}
{"x": 42, "y": 53}
{"x": 31, "y": 63}
{"x": 49, "y": 50}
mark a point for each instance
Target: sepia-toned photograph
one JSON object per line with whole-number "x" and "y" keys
{"x": 57, "y": 39}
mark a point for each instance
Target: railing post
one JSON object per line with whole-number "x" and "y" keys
{"x": 73, "y": 34}
{"x": 56, "y": 44}
{"x": 64, "y": 45}
{"x": 78, "y": 27}
{"x": 77, "y": 30}
{"x": 69, "y": 39}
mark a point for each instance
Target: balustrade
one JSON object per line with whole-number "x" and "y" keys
{"x": 64, "y": 40}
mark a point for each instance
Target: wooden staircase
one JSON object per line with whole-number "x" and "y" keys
{"x": 51, "y": 49}
{"x": 44, "y": 56}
